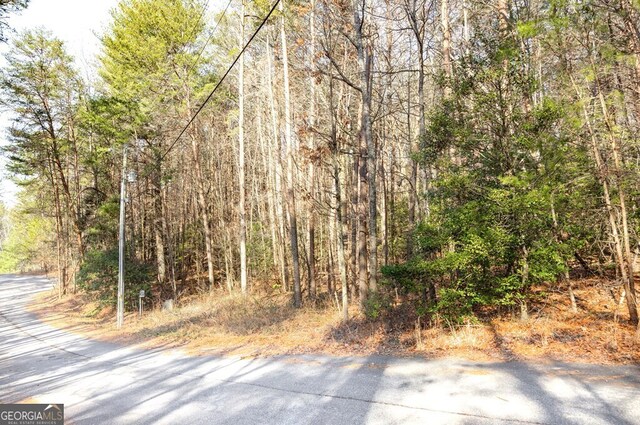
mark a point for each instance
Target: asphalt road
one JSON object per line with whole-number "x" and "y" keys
{"x": 102, "y": 383}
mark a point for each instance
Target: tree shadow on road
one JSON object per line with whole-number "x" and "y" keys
{"x": 108, "y": 383}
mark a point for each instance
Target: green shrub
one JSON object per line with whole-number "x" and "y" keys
{"x": 98, "y": 276}
{"x": 454, "y": 305}
{"x": 376, "y": 304}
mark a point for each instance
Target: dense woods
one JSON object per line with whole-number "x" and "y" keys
{"x": 451, "y": 154}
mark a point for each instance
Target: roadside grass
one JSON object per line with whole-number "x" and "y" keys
{"x": 262, "y": 325}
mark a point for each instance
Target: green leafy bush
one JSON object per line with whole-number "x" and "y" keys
{"x": 376, "y": 304}
{"x": 99, "y": 277}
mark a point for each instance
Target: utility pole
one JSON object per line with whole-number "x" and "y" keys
{"x": 120, "y": 308}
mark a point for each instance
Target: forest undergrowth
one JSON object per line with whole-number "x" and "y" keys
{"x": 220, "y": 324}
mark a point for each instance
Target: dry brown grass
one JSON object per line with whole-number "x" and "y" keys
{"x": 474, "y": 341}
{"x": 219, "y": 323}
{"x": 590, "y": 335}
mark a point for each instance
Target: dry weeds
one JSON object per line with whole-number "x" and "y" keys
{"x": 219, "y": 323}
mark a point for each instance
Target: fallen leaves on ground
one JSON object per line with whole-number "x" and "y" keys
{"x": 218, "y": 323}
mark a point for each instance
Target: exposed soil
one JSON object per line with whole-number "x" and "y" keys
{"x": 222, "y": 324}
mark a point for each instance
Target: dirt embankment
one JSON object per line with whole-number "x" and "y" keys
{"x": 259, "y": 326}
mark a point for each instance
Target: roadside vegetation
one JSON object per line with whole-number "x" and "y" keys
{"x": 265, "y": 325}
{"x": 408, "y": 175}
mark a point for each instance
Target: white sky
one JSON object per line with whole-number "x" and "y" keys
{"x": 77, "y": 23}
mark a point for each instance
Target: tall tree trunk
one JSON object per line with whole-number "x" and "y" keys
{"x": 340, "y": 240}
{"x": 241, "y": 165}
{"x": 465, "y": 26}
{"x": 632, "y": 303}
{"x": 339, "y": 221}
{"x": 200, "y": 194}
{"x": 60, "y": 243}
{"x": 603, "y": 176}
{"x": 446, "y": 45}
{"x": 277, "y": 171}
{"x": 363, "y": 195}
{"x": 158, "y": 224}
{"x": 291, "y": 200}
{"x": 311, "y": 222}
{"x": 368, "y": 154}
{"x": 384, "y": 216}
{"x": 418, "y": 30}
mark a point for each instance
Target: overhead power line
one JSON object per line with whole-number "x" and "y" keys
{"x": 255, "y": 33}
{"x": 213, "y": 31}
{"x": 197, "y": 24}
